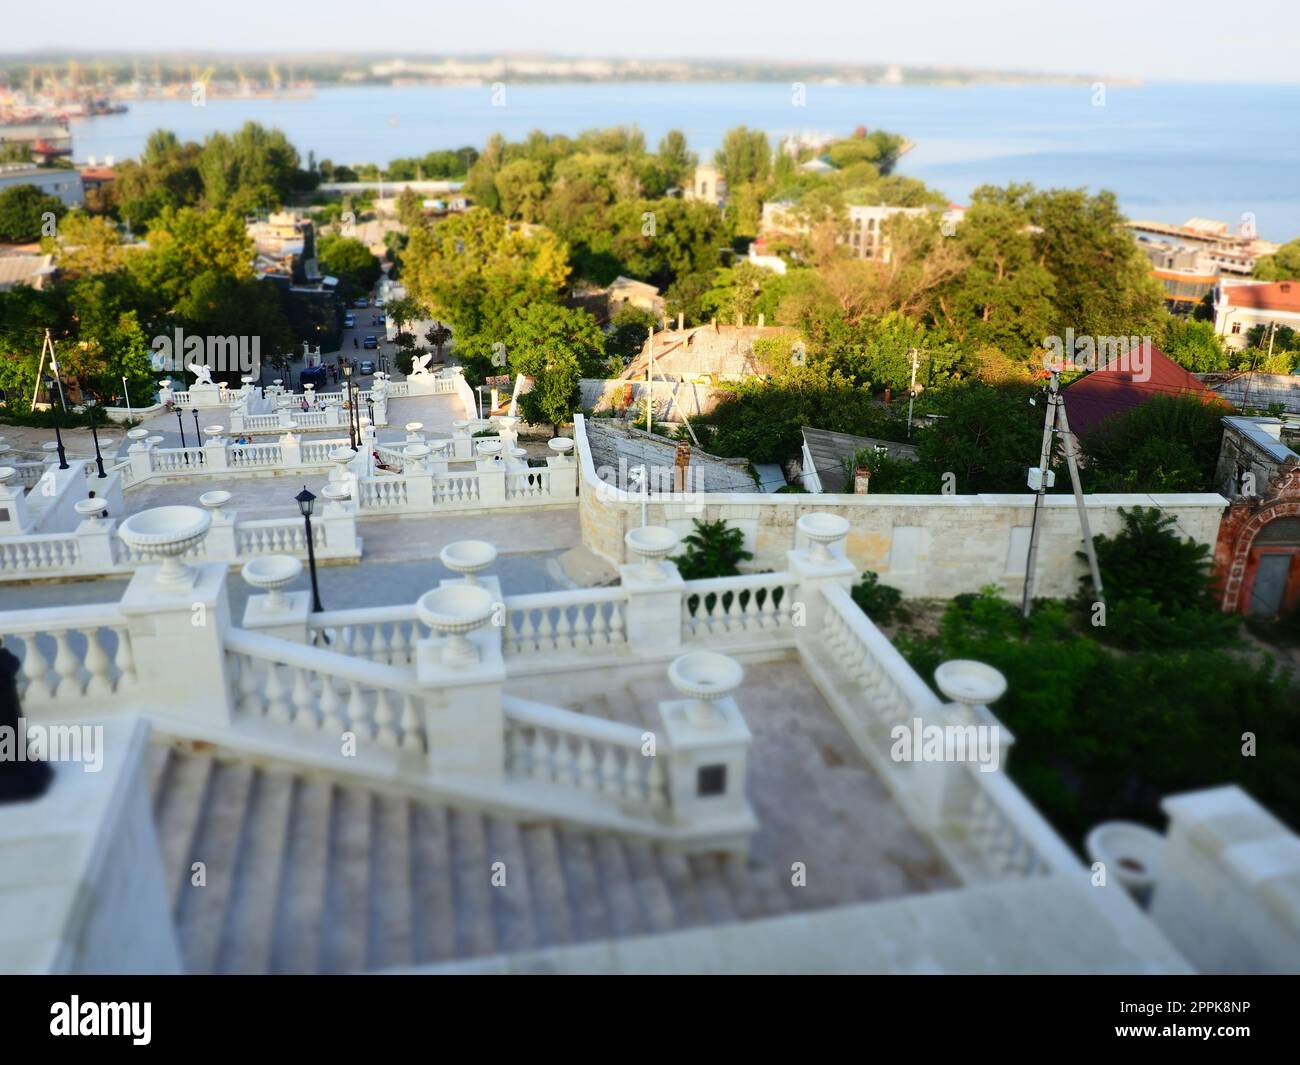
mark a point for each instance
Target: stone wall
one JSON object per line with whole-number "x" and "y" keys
{"x": 926, "y": 546}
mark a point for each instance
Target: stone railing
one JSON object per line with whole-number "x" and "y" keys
{"x": 740, "y": 606}
{"x": 489, "y": 485}
{"x": 72, "y": 657}
{"x": 317, "y": 690}
{"x": 378, "y": 634}
{"x": 603, "y": 760}
{"x": 593, "y": 619}
{"x": 94, "y": 549}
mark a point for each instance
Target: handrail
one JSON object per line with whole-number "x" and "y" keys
{"x": 570, "y": 722}
{"x": 301, "y": 656}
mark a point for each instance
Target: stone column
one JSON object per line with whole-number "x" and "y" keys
{"x": 14, "y": 520}
{"x": 290, "y": 451}
{"x": 491, "y": 482}
{"x": 178, "y": 632}
{"x": 287, "y": 623}
{"x": 564, "y": 476}
{"x": 654, "y": 608}
{"x": 814, "y": 576}
{"x": 221, "y": 541}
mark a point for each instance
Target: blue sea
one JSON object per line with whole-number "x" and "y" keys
{"x": 1169, "y": 151}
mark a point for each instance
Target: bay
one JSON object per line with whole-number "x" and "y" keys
{"x": 1169, "y": 151}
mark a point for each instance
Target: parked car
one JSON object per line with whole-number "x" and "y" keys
{"x": 362, "y": 302}
{"x": 349, "y": 320}
{"x": 371, "y": 341}
{"x": 316, "y": 376}
{"x": 366, "y": 367}
{"x": 379, "y": 302}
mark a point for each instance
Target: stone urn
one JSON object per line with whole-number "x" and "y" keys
{"x": 166, "y": 533}
{"x": 489, "y": 449}
{"x": 153, "y": 441}
{"x": 214, "y": 501}
{"x": 460, "y": 426}
{"x": 214, "y": 434}
{"x": 454, "y": 611}
{"x": 336, "y": 493}
{"x": 823, "y": 530}
{"x": 651, "y": 543}
{"x": 970, "y": 684}
{"x": 705, "y": 677}
{"x": 468, "y": 557}
{"x": 7, "y": 474}
{"x": 89, "y": 509}
{"x": 270, "y": 573}
{"x": 415, "y": 455}
{"x": 137, "y": 438}
{"x": 1131, "y": 853}
{"x": 413, "y": 432}
{"x": 562, "y": 447}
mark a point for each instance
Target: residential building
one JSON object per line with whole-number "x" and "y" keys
{"x": 628, "y": 292}
{"x": 285, "y": 244}
{"x": 708, "y": 185}
{"x": 1257, "y": 556}
{"x": 64, "y": 184}
{"x": 828, "y": 459}
{"x": 705, "y": 353}
{"x": 45, "y": 141}
{"x": 20, "y": 268}
{"x": 1127, "y": 382}
{"x": 864, "y": 233}
{"x": 1239, "y": 306}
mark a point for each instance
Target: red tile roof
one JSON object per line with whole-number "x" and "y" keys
{"x": 1125, "y": 383}
{"x": 1277, "y": 296}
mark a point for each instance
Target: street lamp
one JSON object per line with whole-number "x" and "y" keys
{"x": 58, "y": 436}
{"x": 197, "y": 435}
{"x": 305, "y": 501}
{"x": 181, "y": 424}
{"x": 370, "y": 406}
{"x": 99, "y": 458}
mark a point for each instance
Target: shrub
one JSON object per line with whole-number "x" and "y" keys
{"x": 712, "y": 550}
{"x": 880, "y": 602}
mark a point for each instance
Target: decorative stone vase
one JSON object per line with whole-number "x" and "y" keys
{"x": 970, "y": 684}
{"x": 270, "y": 573}
{"x": 214, "y": 501}
{"x": 705, "y": 676}
{"x": 166, "y": 533}
{"x": 468, "y": 557}
{"x": 489, "y": 449}
{"x": 1132, "y": 854}
{"x": 413, "y": 432}
{"x": 651, "y": 543}
{"x": 454, "y": 611}
{"x": 562, "y": 446}
{"x": 415, "y": 455}
{"x": 86, "y": 508}
{"x": 213, "y": 433}
{"x": 823, "y": 530}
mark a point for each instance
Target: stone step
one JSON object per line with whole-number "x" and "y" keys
{"x": 472, "y": 888}
{"x": 550, "y": 898}
{"x": 651, "y": 888}
{"x": 435, "y": 912}
{"x": 158, "y": 762}
{"x": 347, "y": 899}
{"x": 585, "y": 894}
{"x": 392, "y": 913}
{"x": 248, "y": 935}
{"x": 180, "y": 806}
{"x": 617, "y": 888}
{"x": 203, "y": 908}
{"x": 510, "y": 881}
{"x": 301, "y": 917}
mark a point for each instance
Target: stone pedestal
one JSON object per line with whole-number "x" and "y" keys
{"x": 205, "y": 397}
{"x": 814, "y": 576}
{"x": 287, "y": 623}
{"x": 95, "y": 539}
{"x": 221, "y": 543}
{"x": 491, "y": 482}
{"x": 466, "y": 724}
{"x": 178, "y": 642}
{"x": 564, "y": 476}
{"x": 654, "y": 608}
{"x": 707, "y": 765}
{"x": 14, "y": 520}
{"x": 290, "y": 451}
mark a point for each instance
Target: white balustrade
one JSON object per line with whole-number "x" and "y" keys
{"x": 566, "y": 621}
{"x": 531, "y": 484}
{"x": 321, "y": 691}
{"x": 549, "y": 746}
{"x": 256, "y": 456}
{"x": 277, "y": 536}
{"x": 384, "y": 634}
{"x": 760, "y": 602}
{"x": 383, "y": 493}
{"x": 39, "y": 554}
{"x": 68, "y": 654}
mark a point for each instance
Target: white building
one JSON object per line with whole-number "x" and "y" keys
{"x": 708, "y": 185}
{"x": 53, "y": 181}
{"x": 1239, "y": 306}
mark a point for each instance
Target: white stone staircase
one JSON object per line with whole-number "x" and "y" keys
{"x": 305, "y": 874}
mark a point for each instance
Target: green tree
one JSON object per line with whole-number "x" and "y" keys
{"x": 1282, "y": 265}
{"x": 1168, "y": 444}
{"x": 745, "y": 156}
{"x": 23, "y": 213}
{"x": 352, "y": 262}
{"x": 1194, "y": 345}
{"x": 676, "y": 159}
{"x": 254, "y": 169}
{"x": 556, "y": 391}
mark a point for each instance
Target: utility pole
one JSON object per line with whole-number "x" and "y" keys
{"x": 1056, "y": 421}
{"x": 650, "y": 386}
{"x": 911, "y": 392}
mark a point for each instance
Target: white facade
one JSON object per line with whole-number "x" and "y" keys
{"x": 65, "y": 184}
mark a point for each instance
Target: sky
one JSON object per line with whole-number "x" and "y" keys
{"x": 1183, "y": 40}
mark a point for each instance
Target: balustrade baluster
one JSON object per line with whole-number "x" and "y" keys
{"x": 539, "y": 757}
{"x": 411, "y": 724}
{"x": 66, "y": 667}
{"x": 277, "y": 695}
{"x": 125, "y": 657}
{"x": 304, "y": 699}
{"x": 386, "y": 719}
{"x": 36, "y": 669}
{"x": 331, "y": 703}
{"x": 358, "y": 712}
{"x": 97, "y": 665}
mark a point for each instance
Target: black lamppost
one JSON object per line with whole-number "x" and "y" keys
{"x": 181, "y": 422}
{"x": 198, "y": 437}
{"x": 370, "y": 406}
{"x": 347, "y": 391}
{"x": 99, "y": 458}
{"x": 305, "y": 501}
{"x": 58, "y": 436}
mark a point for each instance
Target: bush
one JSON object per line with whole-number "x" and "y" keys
{"x": 712, "y": 550}
{"x": 880, "y": 602}
{"x": 1101, "y": 735}
{"x": 1157, "y": 586}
